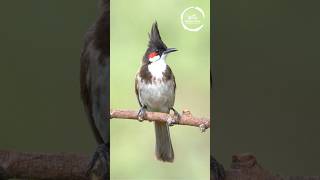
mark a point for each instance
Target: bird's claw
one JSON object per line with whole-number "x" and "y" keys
{"x": 217, "y": 170}
{"x": 203, "y": 128}
{"x": 140, "y": 119}
{"x": 141, "y": 114}
{"x": 3, "y": 174}
{"x": 101, "y": 154}
{"x": 170, "y": 121}
{"x": 176, "y": 117}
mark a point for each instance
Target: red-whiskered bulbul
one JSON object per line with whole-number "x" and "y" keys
{"x": 216, "y": 169}
{"x": 155, "y": 89}
{"x": 94, "y": 84}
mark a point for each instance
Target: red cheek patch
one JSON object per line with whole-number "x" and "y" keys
{"x": 153, "y": 54}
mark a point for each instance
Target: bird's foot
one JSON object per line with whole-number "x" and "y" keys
{"x": 3, "y": 174}
{"x": 99, "y": 164}
{"x": 217, "y": 170}
{"x": 176, "y": 117}
{"x": 170, "y": 120}
{"x": 202, "y": 128}
{"x": 141, "y": 113}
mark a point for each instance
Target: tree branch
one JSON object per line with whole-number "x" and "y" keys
{"x": 60, "y": 166}
{"x": 246, "y": 167}
{"x": 72, "y": 166}
{"x": 186, "y": 117}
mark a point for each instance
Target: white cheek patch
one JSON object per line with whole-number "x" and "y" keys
{"x": 158, "y": 67}
{"x": 155, "y": 58}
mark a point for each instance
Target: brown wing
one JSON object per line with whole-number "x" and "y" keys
{"x": 136, "y": 86}
{"x": 174, "y": 83}
{"x": 168, "y": 75}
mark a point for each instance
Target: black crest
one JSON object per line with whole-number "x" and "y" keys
{"x": 155, "y": 38}
{"x": 155, "y": 43}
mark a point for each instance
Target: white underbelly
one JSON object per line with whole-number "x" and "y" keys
{"x": 157, "y": 97}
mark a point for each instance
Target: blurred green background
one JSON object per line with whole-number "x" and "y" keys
{"x": 40, "y": 45}
{"x": 268, "y": 83}
{"x": 132, "y": 142}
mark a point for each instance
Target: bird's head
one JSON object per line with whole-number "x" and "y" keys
{"x": 156, "y": 50}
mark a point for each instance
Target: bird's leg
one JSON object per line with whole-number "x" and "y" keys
{"x": 101, "y": 155}
{"x": 217, "y": 170}
{"x": 3, "y": 174}
{"x": 176, "y": 118}
{"x": 176, "y": 114}
{"x": 142, "y": 113}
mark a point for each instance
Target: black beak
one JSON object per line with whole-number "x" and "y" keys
{"x": 169, "y": 50}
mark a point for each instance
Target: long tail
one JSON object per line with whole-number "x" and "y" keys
{"x": 164, "y": 150}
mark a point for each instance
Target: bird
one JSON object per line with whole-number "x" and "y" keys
{"x": 155, "y": 89}
{"x": 217, "y": 171}
{"x": 94, "y": 84}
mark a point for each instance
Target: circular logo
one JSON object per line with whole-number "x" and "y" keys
{"x": 192, "y": 19}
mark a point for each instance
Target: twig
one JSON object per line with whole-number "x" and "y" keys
{"x": 186, "y": 117}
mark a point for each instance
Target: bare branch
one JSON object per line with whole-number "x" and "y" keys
{"x": 71, "y": 166}
{"x": 186, "y": 117}
{"x": 246, "y": 167}
{"x": 43, "y": 165}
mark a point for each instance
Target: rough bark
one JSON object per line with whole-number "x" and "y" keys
{"x": 246, "y": 167}
{"x": 24, "y": 165}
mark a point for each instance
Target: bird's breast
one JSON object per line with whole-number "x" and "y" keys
{"x": 158, "y": 95}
